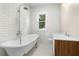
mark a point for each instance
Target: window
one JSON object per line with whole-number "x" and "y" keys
{"x": 42, "y": 21}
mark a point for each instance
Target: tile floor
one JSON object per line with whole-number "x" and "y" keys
{"x": 42, "y": 50}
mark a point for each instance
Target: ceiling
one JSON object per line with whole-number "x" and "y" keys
{"x": 39, "y": 4}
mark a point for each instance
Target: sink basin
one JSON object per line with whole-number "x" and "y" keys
{"x": 60, "y": 36}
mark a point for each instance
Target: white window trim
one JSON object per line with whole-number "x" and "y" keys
{"x": 43, "y": 29}
{"x": 42, "y": 21}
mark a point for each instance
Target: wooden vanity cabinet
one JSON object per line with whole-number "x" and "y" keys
{"x": 66, "y": 48}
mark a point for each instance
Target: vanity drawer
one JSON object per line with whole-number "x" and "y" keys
{"x": 66, "y": 48}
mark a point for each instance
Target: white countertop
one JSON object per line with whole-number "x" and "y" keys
{"x": 59, "y": 36}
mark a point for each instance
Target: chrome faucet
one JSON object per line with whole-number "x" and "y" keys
{"x": 67, "y": 34}
{"x": 19, "y": 35}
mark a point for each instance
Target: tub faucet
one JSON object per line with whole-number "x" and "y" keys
{"x": 19, "y": 35}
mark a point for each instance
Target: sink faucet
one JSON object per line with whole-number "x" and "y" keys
{"x": 19, "y": 35}
{"x": 66, "y": 34}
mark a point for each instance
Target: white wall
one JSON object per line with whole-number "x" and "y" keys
{"x": 8, "y": 22}
{"x": 52, "y": 12}
{"x": 70, "y": 19}
{"x": 25, "y": 20}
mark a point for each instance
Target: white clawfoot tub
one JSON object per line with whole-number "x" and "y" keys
{"x": 14, "y": 48}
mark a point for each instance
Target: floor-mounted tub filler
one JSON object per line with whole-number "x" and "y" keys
{"x": 14, "y": 48}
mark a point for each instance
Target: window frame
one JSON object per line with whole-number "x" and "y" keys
{"x": 42, "y": 21}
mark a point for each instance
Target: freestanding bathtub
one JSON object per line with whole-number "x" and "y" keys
{"x": 14, "y": 48}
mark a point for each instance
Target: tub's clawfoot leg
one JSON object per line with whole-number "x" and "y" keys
{"x": 36, "y": 45}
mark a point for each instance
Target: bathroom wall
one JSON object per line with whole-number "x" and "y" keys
{"x": 25, "y": 20}
{"x": 70, "y": 19}
{"x": 8, "y": 21}
{"x": 52, "y": 12}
